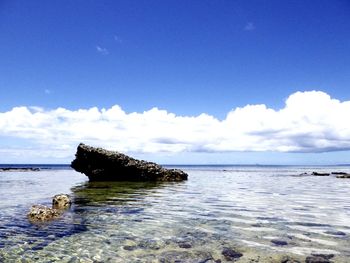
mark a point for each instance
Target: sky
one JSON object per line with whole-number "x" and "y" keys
{"x": 177, "y": 82}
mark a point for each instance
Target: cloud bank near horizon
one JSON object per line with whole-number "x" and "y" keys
{"x": 309, "y": 122}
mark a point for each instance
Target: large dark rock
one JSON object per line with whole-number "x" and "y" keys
{"x": 102, "y": 165}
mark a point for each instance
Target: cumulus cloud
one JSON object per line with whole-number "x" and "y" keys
{"x": 249, "y": 26}
{"x": 117, "y": 39}
{"x": 102, "y": 50}
{"x": 309, "y": 122}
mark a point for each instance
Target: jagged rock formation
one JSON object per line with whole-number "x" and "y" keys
{"x": 42, "y": 213}
{"x": 102, "y": 165}
{"x": 39, "y": 213}
{"x": 61, "y": 201}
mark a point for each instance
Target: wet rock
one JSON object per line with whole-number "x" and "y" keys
{"x": 320, "y": 174}
{"x": 230, "y": 254}
{"x": 318, "y": 259}
{"x": 304, "y": 174}
{"x": 325, "y": 256}
{"x": 61, "y": 201}
{"x": 186, "y": 256}
{"x": 257, "y": 225}
{"x": 184, "y": 245}
{"x": 42, "y": 213}
{"x": 343, "y": 176}
{"x": 279, "y": 242}
{"x": 102, "y": 165}
{"x": 287, "y": 259}
{"x": 129, "y": 248}
{"x": 149, "y": 244}
{"x": 335, "y": 233}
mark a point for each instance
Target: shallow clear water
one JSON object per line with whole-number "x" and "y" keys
{"x": 261, "y": 212}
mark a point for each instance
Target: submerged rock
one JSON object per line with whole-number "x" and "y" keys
{"x": 279, "y": 242}
{"x": 61, "y": 201}
{"x": 288, "y": 259}
{"x": 230, "y": 254}
{"x": 335, "y": 233}
{"x": 42, "y": 213}
{"x": 343, "y": 176}
{"x": 102, "y": 165}
{"x": 319, "y": 258}
{"x": 185, "y": 256}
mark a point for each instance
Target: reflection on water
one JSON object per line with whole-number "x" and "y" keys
{"x": 263, "y": 213}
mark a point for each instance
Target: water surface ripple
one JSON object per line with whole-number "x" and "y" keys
{"x": 264, "y": 213}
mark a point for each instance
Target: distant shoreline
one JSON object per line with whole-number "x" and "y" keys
{"x": 45, "y": 167}
{"x": 32, "y": 167}
{"x": 62, "y": 166}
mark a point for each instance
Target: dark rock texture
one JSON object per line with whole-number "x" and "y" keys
{"x": 230, "y": 254}
{"x": 42, "y": 213}
{"x": 61, "y": 201}
{"x": 102, "y": 165}
{"x": 288, "y": 259}
{"x": 319, "y": 258}
{"x": 19, "y": 169}
{"x": 343, "y": 176}
{"x": 278, "y": 242}
{"x": 320, "y": 174}
{"x": 339, "y": 173}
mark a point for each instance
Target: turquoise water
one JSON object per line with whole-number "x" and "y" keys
{"x": 262, "y": 212}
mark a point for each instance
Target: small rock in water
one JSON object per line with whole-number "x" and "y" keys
{"x": 326, "y": 256}
{"x": 230, "y": 254}
{"x": 61, "y": 201}
{"x": 185, "y": 256}
{"x": 335, "y": 233}
{"x": 320, "y": 174}
{"x": 288, "y": 259}
{"x": 185, "y": 245}
{"x": 319, "y": 258}
{"x": 129, "y": 248}
{"x": 149, "y": 244}
{"x": 304, "y": 174}
{"x": 278, "y": 242}
{"x": 343, "y": 176}
{"x": 42, "y": 213}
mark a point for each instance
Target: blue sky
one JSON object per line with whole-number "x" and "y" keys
{"x": 185, "y": 57}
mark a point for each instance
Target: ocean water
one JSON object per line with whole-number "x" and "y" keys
{"x": 221, "y": 214}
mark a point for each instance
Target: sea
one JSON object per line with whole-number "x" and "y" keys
{"x": 222, "y": 213}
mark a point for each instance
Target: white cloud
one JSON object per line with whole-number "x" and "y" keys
{"x": 309, "y": 122}
{"x": 102, "y": 50}
{"x": 117, "y": 39}
{"x": 249, "y": 26}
